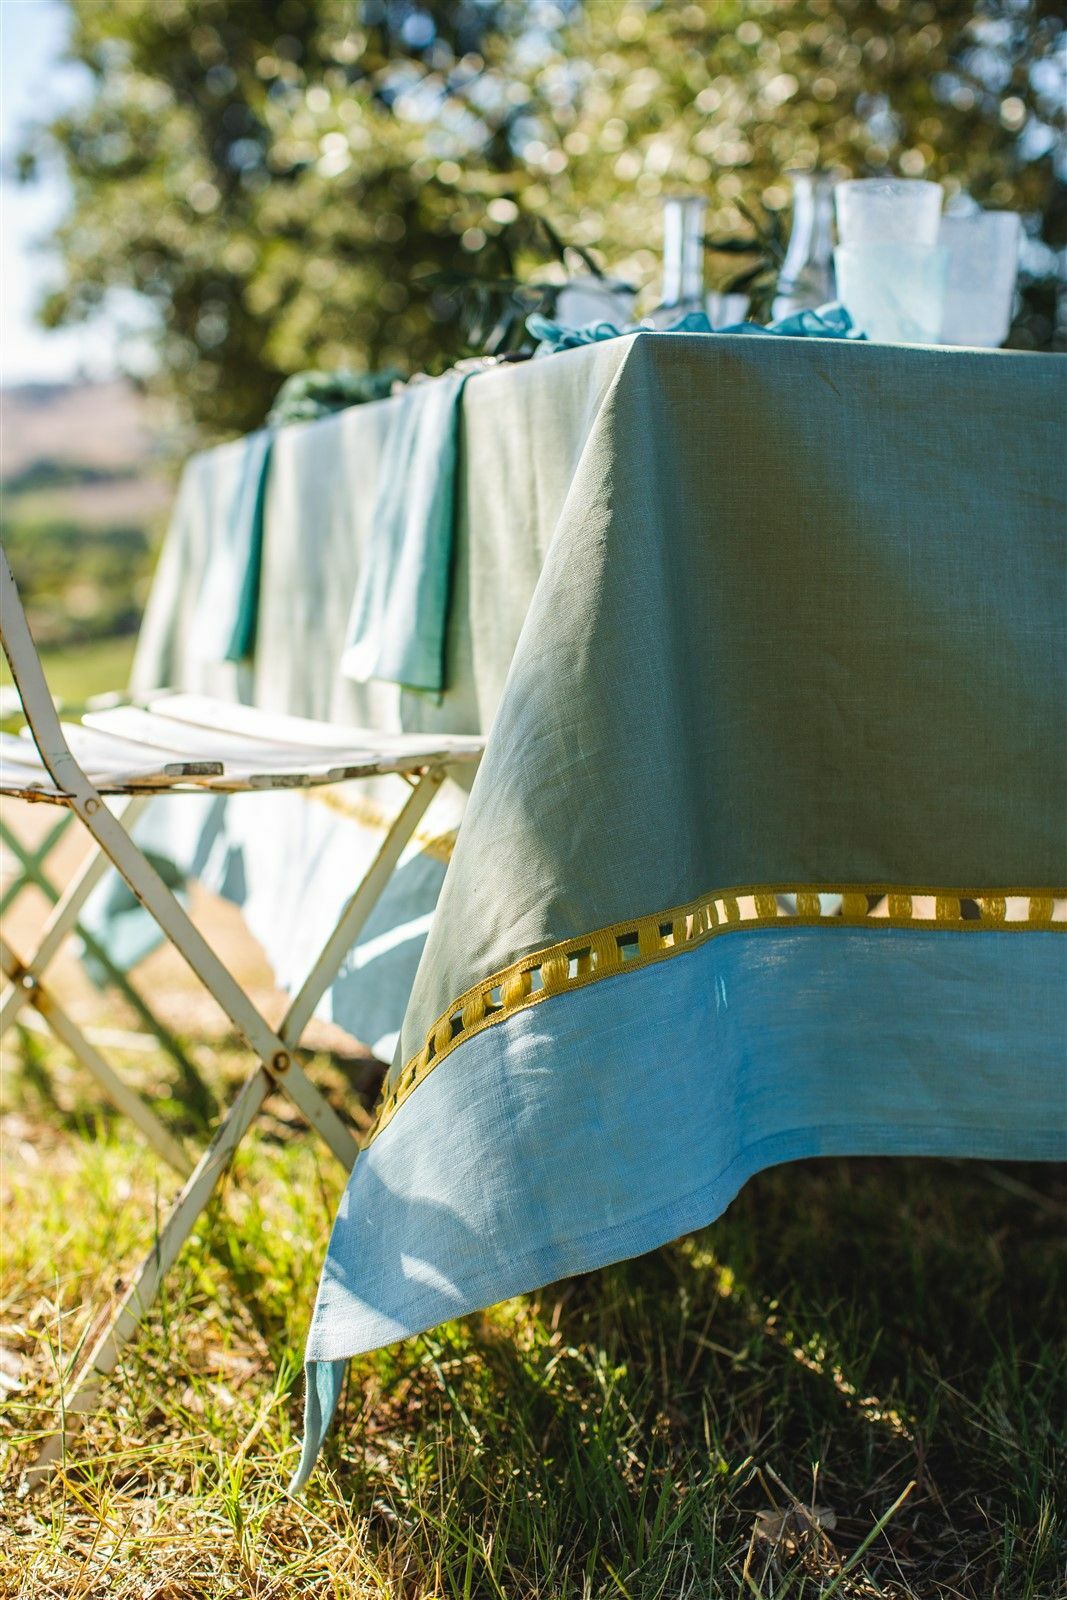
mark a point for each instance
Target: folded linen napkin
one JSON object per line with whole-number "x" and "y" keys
{"x": 306, "y": 396}
{"x": 831, "y": 321}
{"x": 225, "y": 626}
{"x": 396, "y": 628}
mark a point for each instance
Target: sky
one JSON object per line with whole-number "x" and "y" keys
{"x": 34, "y": 81}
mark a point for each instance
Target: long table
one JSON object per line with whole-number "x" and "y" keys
{"x": 766, "y": 856}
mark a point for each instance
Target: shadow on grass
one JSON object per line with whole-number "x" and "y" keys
{"x": 848, "y": 1328}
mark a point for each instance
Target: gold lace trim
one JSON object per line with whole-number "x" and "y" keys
{"x": 357, "y": 808}
{"x": 631, "y": 946}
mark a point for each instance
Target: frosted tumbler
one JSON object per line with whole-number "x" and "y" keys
{"x": 725, "y": 310}
{"x": 983, "y": 256}
{"x": 588, "y": 299}
{"x": 887, "y": 211}
{"x": 894, "y": 292}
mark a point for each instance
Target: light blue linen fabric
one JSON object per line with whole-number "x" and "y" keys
{"x": 396, "y": 630}
{"x": 225, "y": 626}
{"x": 563, "y": 1138}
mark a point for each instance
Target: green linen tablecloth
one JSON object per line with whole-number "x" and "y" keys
{"x": 766, "y": 856}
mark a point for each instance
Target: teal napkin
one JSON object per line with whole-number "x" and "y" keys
{"x": 828, "y": 322}
{"x": 306, "y": 396}
{"x": 396, "y": 628}
{"x": 225, "y": 626}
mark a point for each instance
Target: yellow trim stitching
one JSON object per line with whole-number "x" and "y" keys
{"x": 357, "y": 808}
{"x": 633, "y": 945}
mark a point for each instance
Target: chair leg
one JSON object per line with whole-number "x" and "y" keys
{"x": 122, "y": 1097}
{"x": 63, "y": 917}
{"x": 180, "y": 931}
{"x": 278, "y": 1069}
{"x": 123, "y": 1324}
{"x": 358, "y": 908}
{"x": 33, "y": 874}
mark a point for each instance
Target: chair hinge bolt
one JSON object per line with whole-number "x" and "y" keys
{"x": 281, "y": 1061}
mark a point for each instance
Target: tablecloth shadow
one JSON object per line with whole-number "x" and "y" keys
{"x": 892, "y": 1256}
{"x": 814, "y": 1248}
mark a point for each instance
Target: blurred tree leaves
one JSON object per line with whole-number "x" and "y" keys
{"x": 245, "y": 167}
{"x": 286, "y": 181}
{"x": 727, "y": 96}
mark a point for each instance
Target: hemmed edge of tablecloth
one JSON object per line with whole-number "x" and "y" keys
{"x": 598, "y": 1249}
{"x": 775, "y": 1033}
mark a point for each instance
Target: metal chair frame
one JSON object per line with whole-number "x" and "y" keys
{"x": 420, "y": 761}
{"x": 33, "y": 872}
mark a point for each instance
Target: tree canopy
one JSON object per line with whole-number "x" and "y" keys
{"x": 284, "y": 181}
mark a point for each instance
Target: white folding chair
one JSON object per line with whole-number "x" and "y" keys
{"x": 192, "y": 744}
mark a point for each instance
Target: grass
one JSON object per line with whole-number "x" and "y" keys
{"x": 76, "y": 672}
{"x": 79, "y": 583}
{"x": 740, "y": 1413}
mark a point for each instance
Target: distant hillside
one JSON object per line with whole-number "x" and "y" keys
{"x": 83, "y": 500}
{"x": 104, "y": 425}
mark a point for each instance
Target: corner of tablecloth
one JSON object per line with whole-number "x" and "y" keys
{"x": 323, "y": 1380}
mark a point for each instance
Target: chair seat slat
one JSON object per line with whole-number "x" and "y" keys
{"x": 235, "y": 763}
{"x": 156, "y": 732}
{"x": 278, "y": 729}
{"x": 252, "y": 762}
{"x": 101, "y": 752}
{"x": 114, "y": 772}
{"x": 21, "y": 751}
{"x": 16, "y": 779}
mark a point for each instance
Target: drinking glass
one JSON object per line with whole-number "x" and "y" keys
{"x": 887, "y": 211}
{"x": 683, "y": 255}
{"x": 983, "y": 256}
{"x": 894, "y": 292}
{"x": 806, "y": 280}
{"x": 725, "y": 310}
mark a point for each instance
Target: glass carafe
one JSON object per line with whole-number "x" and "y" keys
{"x": 807, "y": 276}
{"x": 683, "y": 257}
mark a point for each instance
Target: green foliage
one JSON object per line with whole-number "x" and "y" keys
{"x": 257, "y": 174}
{"x": 46, "y": 473}
{"x": 79, "y": 583}
{"x": 764, "y": 250}
{"x": 286, "y": 182}
{"x": 492, "y": 312}
{"x": 727, "y": 96}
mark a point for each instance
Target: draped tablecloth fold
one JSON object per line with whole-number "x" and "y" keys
{"x": 228, "y": 604}
{"x": 508, "y": 452}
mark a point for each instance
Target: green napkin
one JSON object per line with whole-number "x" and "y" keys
{"x": 396, "y": 628}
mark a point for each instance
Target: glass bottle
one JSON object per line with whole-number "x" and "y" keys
{"x": 683, "y": 258}
{"x": 807, "y": 276}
